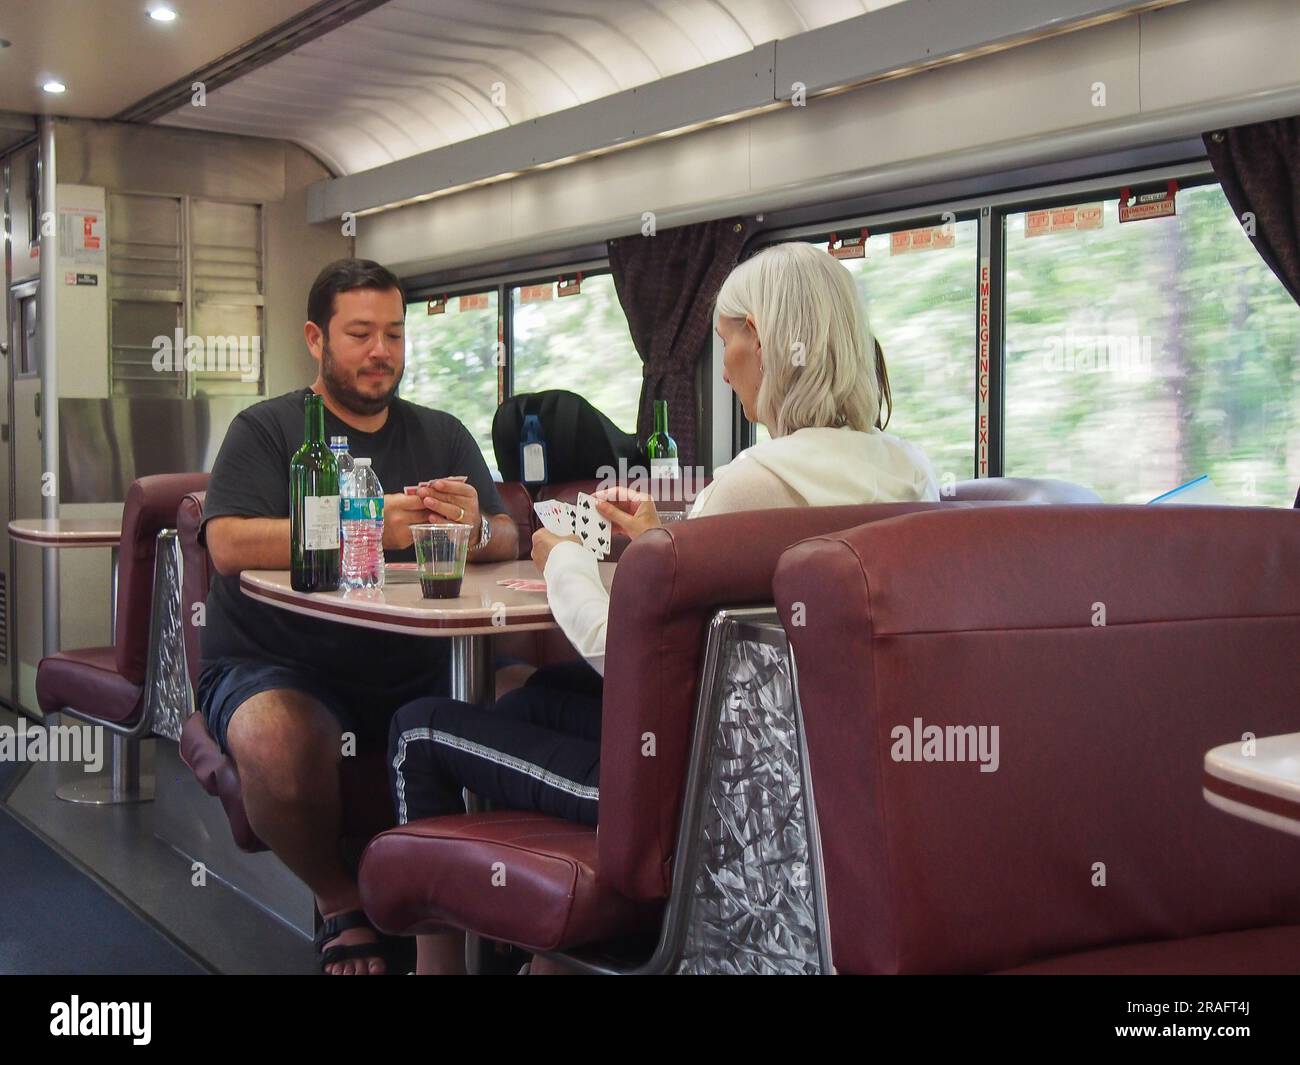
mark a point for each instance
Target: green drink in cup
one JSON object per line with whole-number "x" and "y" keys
{"x": 440, "y": 552}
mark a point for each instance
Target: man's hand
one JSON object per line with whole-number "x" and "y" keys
{"x": 400, "y": 513}
{"x": 455, "y": 501}
{"x": 630, "y": 511}
{"x": 543, "y": 542}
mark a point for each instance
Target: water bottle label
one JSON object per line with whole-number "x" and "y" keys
{"x": 534, "y": 463}
{"x": 664, "y": 468}
{"x": 320, "y": 523}
{"x": 362, "y": 508}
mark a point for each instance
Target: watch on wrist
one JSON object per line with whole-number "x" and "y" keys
{"x": 484, "y": 533}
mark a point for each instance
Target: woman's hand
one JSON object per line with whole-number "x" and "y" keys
{"x": 543, "y": 542}
{"x": 629, "y": 511}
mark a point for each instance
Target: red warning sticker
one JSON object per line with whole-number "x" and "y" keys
{"x": 854, "y": 247}
{"x": 535, "y": 293}
{"x": 1057, "y": 219}
{"x": 927, "y": 238}
{"x": 1144, "y": 205}
{"x": 477, "y": 302}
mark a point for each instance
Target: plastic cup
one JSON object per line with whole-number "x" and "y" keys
{"x": 440, "y": 553}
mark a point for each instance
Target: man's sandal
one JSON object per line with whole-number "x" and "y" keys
{"x": 330, "y": 929}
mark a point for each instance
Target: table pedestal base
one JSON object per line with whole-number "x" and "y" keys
{"x": 122, "y": 783}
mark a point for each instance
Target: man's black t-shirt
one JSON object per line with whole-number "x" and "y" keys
{"x": 250, "y": 479}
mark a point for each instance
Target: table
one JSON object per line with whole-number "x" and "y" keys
{"x": 484, "y": 609}
{"x": 1263, "y": 787}
{"x": 59, "y": 534}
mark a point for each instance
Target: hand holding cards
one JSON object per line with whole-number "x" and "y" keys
{"x": 581, "y": 520}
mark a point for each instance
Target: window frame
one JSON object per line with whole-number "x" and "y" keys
{"x": 990, "y": 212}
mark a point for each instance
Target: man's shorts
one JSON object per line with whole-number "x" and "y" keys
{"x": 364, "y": 710}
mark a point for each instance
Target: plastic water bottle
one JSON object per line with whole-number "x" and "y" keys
{"x": 361, "y": 517}
{"x": 339, "y": 445}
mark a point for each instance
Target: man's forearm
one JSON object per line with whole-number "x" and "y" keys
{"x": 504, "y": 545}
{"x": 237, "y": 544}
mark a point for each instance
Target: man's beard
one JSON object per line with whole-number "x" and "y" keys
{"x": 345, "y": 395}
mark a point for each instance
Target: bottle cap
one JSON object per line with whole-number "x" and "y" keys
{"x": 338, "y": 441}
{"x": 361, "y": 462}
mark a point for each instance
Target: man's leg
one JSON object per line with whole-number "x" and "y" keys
{"x": 288, "y": 749}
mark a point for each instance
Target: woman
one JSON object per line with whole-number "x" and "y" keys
{"x": 799, "y": 354}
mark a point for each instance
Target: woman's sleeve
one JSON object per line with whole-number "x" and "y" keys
{"x": 578, "y": 600}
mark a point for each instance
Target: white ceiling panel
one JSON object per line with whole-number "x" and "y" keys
{"x": 414, "y": 75}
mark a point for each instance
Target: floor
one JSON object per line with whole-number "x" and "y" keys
{"x": 114, "y": 846}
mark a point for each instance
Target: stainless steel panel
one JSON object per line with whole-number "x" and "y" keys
{"x": 754, "y": 880}
{"x": 171, "y": 162}
{"x": 105, "y": 444}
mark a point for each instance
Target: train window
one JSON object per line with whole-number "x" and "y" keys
{"x": 579, "y": 342}
{"x": 919, "y": 289}
{"x": 1142, "y": 355}
{"x": 451, "y": 360}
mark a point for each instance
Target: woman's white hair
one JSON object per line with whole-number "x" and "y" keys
{"x": 818, "y": 354}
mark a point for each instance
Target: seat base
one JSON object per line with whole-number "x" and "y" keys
{"x": 1252, "y": 951}
{"x": 99, "y": 790}
{"x": 520, "y": 878}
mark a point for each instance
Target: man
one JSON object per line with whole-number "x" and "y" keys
{"x": 280, "y": 691}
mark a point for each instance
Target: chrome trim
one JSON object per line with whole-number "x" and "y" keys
{"x": 691, "y": 879}
{"x": 820, "y": 904}
{"x": 167, "y": 696}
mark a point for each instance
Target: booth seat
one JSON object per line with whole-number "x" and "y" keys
{"x": 565, "y": 884}
{"x": 108, "y": 686}
{"x": 1110, "y": 647}
{"x": 366, "y": 805}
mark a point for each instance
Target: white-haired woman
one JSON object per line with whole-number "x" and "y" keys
{"x": 800, "y": 355}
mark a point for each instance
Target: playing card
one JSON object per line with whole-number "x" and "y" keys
{"x": 556, "y": 517}
{"x": 519, "y": 584}
{"x": 594, "y": 531}
{"x": 411, "y": 489}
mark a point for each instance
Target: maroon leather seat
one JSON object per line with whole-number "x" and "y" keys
{"x": 545, "y": 893}
{"x": 580, "y": 887}
{"x": 1111, "y": 647}
{"x": 367, "y": 808}
{"x": 667, "y": 588}
{"x": 106, "y": 684}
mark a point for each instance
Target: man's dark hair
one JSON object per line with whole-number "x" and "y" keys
{"x": 344, "y": 275}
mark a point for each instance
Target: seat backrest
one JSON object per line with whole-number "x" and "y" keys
{"x": 1111, "y": 647}
{"x": 579, "y": 438}
{"x": 519, "y": 505}
{"x": 150, "y": 507}
{"x": 666, "y": 589}
{"x": 1022, "y": 490}
{"x": 198, "y": 575}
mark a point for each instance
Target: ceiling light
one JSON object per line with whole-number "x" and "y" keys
{"x": 162, "y": 14}
{"x": 55, "y": 87}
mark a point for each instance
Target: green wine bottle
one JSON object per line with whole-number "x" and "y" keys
{"x": 661, "y": 448}
{"x": 314, "y": 507}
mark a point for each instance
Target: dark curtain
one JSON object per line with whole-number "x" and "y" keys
{"x": 666, "y": 284}
{"x": 1259, "y": 169}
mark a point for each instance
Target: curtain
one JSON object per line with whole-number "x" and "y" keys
{"x": 666, "y": 284}
{"x": 1259, "y": 169}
